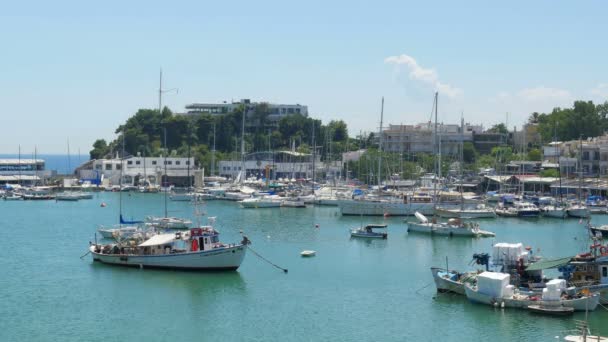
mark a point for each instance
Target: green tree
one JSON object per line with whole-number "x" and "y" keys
{"x": 499, "y": 128}
{"x": 469, "y": 153}
{"x": 549, "y": 173}
{"x": 100, "y": 149}
{"x": 534, "y": 154}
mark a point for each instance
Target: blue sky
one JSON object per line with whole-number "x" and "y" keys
{"x": 76, "y": 70}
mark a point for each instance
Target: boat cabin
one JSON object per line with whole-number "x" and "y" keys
{"x": 203, "y": 238}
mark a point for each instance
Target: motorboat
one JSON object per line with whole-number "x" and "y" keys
{"x": 578, "y": 210}
{"x": 553, "y": 211}
{"x": 293, "y": 203}
{"x": 450, "y": 280}
{"x": 67, "y": 196}
{"x": 168, "y": 222}
{"x": 367, "y": 231}
{"x": 308, "y": 253}
{"x": 454, "y": 227}
{"x": 493, "y": 288}
{"x": 195, "y": 249}
{"x": 261, "y": 202}
{"x": 118, "y": 232}
{"x": 479, "y": 211}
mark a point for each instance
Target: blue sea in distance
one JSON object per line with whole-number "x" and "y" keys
{"x": 62, "y": 163}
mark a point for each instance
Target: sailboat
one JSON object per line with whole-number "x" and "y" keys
{"x": 125, "y": 229}
{"x": 480, "y": 211}
{"x": 578, "y": 209}
{"x": 403, "y": 205}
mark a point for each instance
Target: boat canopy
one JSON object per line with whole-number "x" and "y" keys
{"x": 546, "y": 264}
{"x": 160, "y": 239}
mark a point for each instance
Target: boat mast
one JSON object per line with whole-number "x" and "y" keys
{"x": 69, "y": 166}
{"x": 213, "y": 153}
{"x": 243, "y": 171}
{"x": 20, "y": 165}
{"x": 380, "y": 146}
{"x": 120, "y": 180}
{"x": 580, "y": 165}
{"x": 461, "y": 156}
{"x": 165, "y": 162}
{"x": 436, "y": 153}
{"x": 314, "y": 156}
{"x": 559, "y": 168}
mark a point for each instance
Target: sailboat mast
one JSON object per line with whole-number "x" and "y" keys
{"x": 165, "y": 162}
{"x": 559, "y": 168}
{"x": 120, "y": 180}
{"x": 314, "y": 156}
{"x": 20, "y": 165}
{"x": 461, "y": 160}
{"x": 69, "y": 166}
{"x": 213, "y": 153}
{"x": 435, "y": 150}
{"x": 380, "y": 145}
{"x": 244, "y": 172}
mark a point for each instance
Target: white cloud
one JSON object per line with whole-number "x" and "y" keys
{"x": 543, "y": 93}
{"x": 420, "y": 74}
{"x": 601, "y": 90}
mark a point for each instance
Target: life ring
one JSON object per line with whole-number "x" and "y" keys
{"x": 604, "y": 250}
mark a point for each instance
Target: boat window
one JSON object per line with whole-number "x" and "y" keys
{"x": 604, "y": 271}
{"x": 154, "y": 162}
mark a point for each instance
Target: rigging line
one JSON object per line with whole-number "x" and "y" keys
{"x": 424, "y": 287}
{"x": 268, "y": 261}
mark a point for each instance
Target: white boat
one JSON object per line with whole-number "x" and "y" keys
{"x": 197, "y": 249}
{"x": 518, "y": 209}
{"x": 578, "y": 210}
{"x": 261, "y": 202}
{"x": 13, "y": 197}
{"x": 451, "y": 281}
{"x": 553, "y": 211}
{"x": 293, "y": 203}
{"x": 117, "y": 232}
{"x": 67, "y": 196}
{"x": 480, "y": 211}
{"x": 84, "y": 195}
{"x": 368, "y": 231}
{"x": 168, "y": 222}
{"x": 454, "y": 227}
{"x": 499, "y": 293}
{"x": 308, "y": 253}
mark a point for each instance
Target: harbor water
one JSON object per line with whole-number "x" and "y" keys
{"x": 353, "y": 289}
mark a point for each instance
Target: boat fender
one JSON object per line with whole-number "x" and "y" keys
{"x": 604, "y": 250}
{"x": 194, "y": 246}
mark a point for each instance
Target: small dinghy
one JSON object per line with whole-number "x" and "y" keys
{"x": 308, "y": 253}
{"x": 551, "y": 310}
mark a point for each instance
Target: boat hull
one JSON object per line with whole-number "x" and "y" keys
{"x": 446, "y": 230}
{"x": 445, "y": 283}
{"x": 578, "y": 213}
{"x": 457, "y": 213}
{"x": 229, "y": 258}
{"x": 578, "y": 304}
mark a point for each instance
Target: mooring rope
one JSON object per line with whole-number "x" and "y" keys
{"x": 85, "y": 254}
{"x": 268, "y": 261}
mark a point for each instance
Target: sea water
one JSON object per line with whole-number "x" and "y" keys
{"x": 352, "y": 290}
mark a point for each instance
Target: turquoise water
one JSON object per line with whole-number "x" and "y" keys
{"x": 378, "y": 290}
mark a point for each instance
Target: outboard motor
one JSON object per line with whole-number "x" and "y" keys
{"x": 482, "y": 259}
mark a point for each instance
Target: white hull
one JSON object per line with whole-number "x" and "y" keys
{"x": 445, "y": 284}
{"x": 379, "y": 208}
{"x": 260, "y": 204}
{"x": 555, "y": 213}
{"x": 446, "y": 230}
{"x": 465, "y": 213}
{"x": 578, "y": 304}
{"x": 579, "y": 213}
{"x": 229, "y": 258}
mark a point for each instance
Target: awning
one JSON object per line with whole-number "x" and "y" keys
{"x": 545, "y": 264}
{"x": 160, "y": 239}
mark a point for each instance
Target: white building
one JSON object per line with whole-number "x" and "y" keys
{"x": 277, "y": 111}
{"x": 419, "y": 138}
{"x": 23, "y": 171}
{"x": 139, "y": 169}
{"x": 280, "y": 164}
